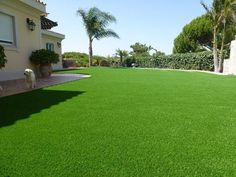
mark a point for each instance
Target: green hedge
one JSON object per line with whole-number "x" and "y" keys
{"x": 188, "y": 61}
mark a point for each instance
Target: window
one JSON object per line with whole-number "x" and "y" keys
{"x": 50, "y": 46}
{"x": 7, "y": 36}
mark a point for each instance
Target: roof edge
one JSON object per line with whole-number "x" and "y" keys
{"x": 53, "y": 34}
{"x": 37, "y": 4}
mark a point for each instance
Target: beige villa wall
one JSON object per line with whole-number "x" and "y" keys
{"x": 54, "y": 40}
{"x": 26, "y": 40}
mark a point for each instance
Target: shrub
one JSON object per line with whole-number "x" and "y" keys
{"x": 188, "y": 61}
{"x": 43, "y": 56}
{"x": 3, "y": 59}
{"x": 69, "y": 63}
{"x": 104, "y": 63}
{"x": 128, "y": 61}
{"x": 81, "y": 58}
{"x": 98, "y": 59}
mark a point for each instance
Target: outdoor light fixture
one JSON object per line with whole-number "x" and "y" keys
{"x": 59, "y": 44}
{"x": 31, "y": 25}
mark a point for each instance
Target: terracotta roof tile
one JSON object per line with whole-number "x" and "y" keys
{"x": 41, "y": 2}
{"x": 47, "y": 24}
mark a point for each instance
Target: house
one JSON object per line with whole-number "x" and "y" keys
{"x": 230, "y": 64}
{"x": 24, "y": 27}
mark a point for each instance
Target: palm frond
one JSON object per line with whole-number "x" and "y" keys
{"x": 205, "y": 7}
{"x": 96, "y": 22}
{"x": 106, "y": 33}
{"x": 82, "y": 13}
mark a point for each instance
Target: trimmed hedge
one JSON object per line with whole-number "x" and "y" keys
{"x": 188, "y": 61}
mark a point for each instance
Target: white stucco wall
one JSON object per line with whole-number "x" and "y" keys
{"x": 54, "y": 38}
{"x": 230, "y": 64}
{"x": 26, "y": 40}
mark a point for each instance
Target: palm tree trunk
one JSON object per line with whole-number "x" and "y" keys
{"x": 90, "y": 52}
{"x": 221, "y": 57}
{"x": 121, "y": 60}
{"x": 215, "y": 53}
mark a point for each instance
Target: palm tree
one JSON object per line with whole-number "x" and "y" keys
{"x": 216, "y": 16}
{"x": 121, "y": 54}
{"x": 220, "y": 13}
{"x": 95, "y": 22}
{"x": 229, "y": 11}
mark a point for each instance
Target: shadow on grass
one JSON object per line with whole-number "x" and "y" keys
{"x": 21, "y": 106}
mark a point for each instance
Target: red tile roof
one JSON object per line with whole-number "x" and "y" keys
{"x": 47, "y": 24}
{"x": 41, "y": 2}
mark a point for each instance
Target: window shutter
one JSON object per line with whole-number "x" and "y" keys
{"x": 6, "y": 29}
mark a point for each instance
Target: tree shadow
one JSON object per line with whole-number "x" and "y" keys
{"x": 21, "y": 106}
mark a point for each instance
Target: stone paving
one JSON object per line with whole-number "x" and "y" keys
{"x": 12, "y": 87}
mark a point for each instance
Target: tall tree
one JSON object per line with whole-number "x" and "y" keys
{"x": 220, "y": 12}
{"x": 140, "y": 49}
{"x": 122, "y": 54}
{"x": 140, "y": 54}
{"x": 229, "y": 12}
{"x": 96, "y": 22}
{"x": 195, "y": 36}
{"x": 216, "y": 16}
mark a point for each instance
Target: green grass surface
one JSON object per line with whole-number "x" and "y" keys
{"x": 122, "y": 122}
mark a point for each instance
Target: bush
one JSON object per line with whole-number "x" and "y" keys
{"x": 81, "y": 58}
{"x": 104, "y": 63}
{"x": 98, "y": 59}
{"x": 128, "y": 61}
{"x": 69, "y": 63}
{"x": 43, "y": 56}
{"x": 3, "y": 59}
{"x": 188, "y": 61}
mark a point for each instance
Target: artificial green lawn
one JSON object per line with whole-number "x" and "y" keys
{"x": 122, "y": 122}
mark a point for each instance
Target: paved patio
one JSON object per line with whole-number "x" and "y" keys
{"x": 18, "y": 86}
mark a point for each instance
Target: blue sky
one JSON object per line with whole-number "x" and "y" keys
{"x": 153, "y": 22}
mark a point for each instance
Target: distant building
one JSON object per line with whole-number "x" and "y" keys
{"x": 24, "y": 27}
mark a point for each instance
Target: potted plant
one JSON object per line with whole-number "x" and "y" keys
{"x": 44, "y": 59}
{"x": 3, "y": 59}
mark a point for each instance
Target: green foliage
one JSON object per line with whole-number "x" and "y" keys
{"x": 96, "y": 22}
{"x": 81, "y": 58}
{"x": 43, "y": 56}
{"x": 139, "y": 49}
{"x": 139, "y": 54}
{"x": 104, "y": 63}
{"x": 222, "y": 15}
{"x": 75, "y": 55}
{"x": 98, "y": 59}
{"x": 3, "y": 59}
{"x": 129, "y": 60}
{"x": 158, "y": 53}
{"x": 188, "y": 61}
{"x": 195, "y": 35}
{"x": 122, "y": 54}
